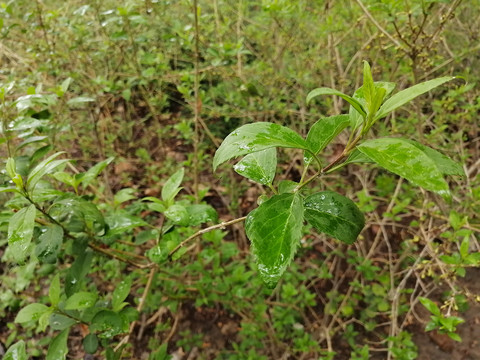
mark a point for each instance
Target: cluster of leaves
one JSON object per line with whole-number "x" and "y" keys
{"x": 275, "y": 227}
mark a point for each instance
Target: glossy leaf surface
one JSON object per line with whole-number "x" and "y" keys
{"x": 446, "y": 165}
{"x": 120, "y": 294}
{"x": 172, "y": 185}
{"x": 275, "y": 229}
{"x": 108, "y": 323}
{"x": 255, "y": 137}
{"x": 80, "y": 300}
{"x": 404, "y": 96}
{"x": 49, "y": 244}
{"x": 328, "y": 91}
{"x": 20, "y": 232}
{"x": 402, "y": 158}
{"x": 324, "y": 131}
{"x": 259, "y": 166}
{"x": 16, "y": 352}
{"x": 335, "y": 215}
{"x": 58, "y": 349}
{"x": 42, "y": 169}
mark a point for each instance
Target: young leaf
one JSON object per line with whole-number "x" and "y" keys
{"x": 430, "y": 306}
{"x": 54, "y": 290}
{"x": 31, "y": 312}
{"x": 335, "y": 215}
{"x": 80, "y": 300}
{"x": 275, "y": 229}
{"x": 172, "y": 185}
{"x": 120, "y": 294}
{"x": 324, "y": 131}
{"x": 86, "y": 178}
{"x": 259, "y": 166}
{"x": 368, "y": 87}
{"x": 20, "y": 232}
{"x": 327, "y": 91}
{"x": 58, "y": 349}
{"x": 16, "y": 352}
{"x": 402, "y": 158}
{"x": 49, "y": 244}
{"x": 409, "y": 94}
{"x": 201, "y": 213}
{"x": 255, "y": 137}
{"x": 446, "y": 165}
{"x": 43, "y": 168}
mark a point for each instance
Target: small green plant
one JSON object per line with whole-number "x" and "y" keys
{"x": 444, "y": 324}
{"x": 275, "y": 227}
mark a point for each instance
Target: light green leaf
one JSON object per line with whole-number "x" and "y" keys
{"x": 323, "y": 132}
{"x": 80, "y": 100}
{"x": 327, "y": 91}
{"x": 58, "y": 349}
{"x": 255, "y": 137}
{"x": 16, "y": 352}
{"x": 87, "y": 177}
{"x": 49, "y": 244}
{"x": 120, "y": 294}
{"x": 402, "y": 158}
{"x": 201, "y": 213}
{"x": 120, "y": 221}
{"x": 275, "y": 230}
{"x": 80, "y": 300}
{"x": 409, "y": 94}
{"x": 124, "y": 195}
{"x": 54, "y": 290}
{"x": 446, "y": 165}
{"x": 335, "y": 215}
{"x": 287, "y": 186}
{"x": 368, "y": 87}
{"x": 259, "y": 166}
{"x": 172, "y": 185}
{"x": 178, "y": 214}
{"x": 43, "y": 168}
{"x": 20, "y": 232}
{"x": 356, "y": 157}
{"x": 430, "y": 306}
{"x": 31, "y": 312}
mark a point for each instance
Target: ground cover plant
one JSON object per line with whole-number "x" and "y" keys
{"x": 126, "y": 236}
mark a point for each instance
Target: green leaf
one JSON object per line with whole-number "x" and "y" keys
{"x": 80, "y": 300}
{"x": 454, "y": 336}
{"x": 357, "y": 157}
{"x": 335, "y": 215}
{"x": 20, "y": 232}
{"x": 31, "y": 312}
{"x": 178, "y": 214}
{"x": 201, "y": 213}
{"x": 124, "y": 195}
{"x": 90, "y": 343}
{"x": 108, "y": 323}
{"x": 323, "y": 132}
{"x": 368, "y": 87}
{"x": 54, "y": 290}
{"x": 328, "y": 91}
{"x": 49, "y": 244}
{"x": 60, "y": 322}
{"x": 80, "y": 100}
{"x": 275, "y": 229}
{"x": 43, "y": 168}
{"x": 287, "y": 186}
{"x": 77, "y": 272}
{"x": 259, "y": 166}
{"x": 255, "y": 137}
{"x": 446, "y": 165}
{"x": 172, "y": 185}
{"x": 120, "y": 221}
{"x": 402, "y": 158}
{"x": 93, "y": 172}
{"x": 16, "y": 352}
{"x": 120, "y": 294}
{"x": 409, "y": 94}
{"x": 430, "y": 306}
{"x": 58, "y": 349}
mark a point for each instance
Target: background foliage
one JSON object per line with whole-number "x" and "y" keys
{"x": 119, "y": 86}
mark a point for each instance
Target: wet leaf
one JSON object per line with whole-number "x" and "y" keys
{"x": 201, "y": 213}
{"x": 172, "y": 185}
{"x": 404, "y": 96}
{"x": 446, "y": 165}
{"x": 108, "y": 323}
{"x": 20, "y": 232}
{"x": 259, "y": 166}
{"x": 178, "y": 214}
{"x": 402, "y": 158}
{"x": 16, "y": 352}
{"x": 255, "y": 137}
{"x": 275, "y": 229}
{"x": 49, "y": 244}
{"x": 80, "y": 300}
{"x": 120, "y": 294}
{"x": 42, "y": 169}
{"x": 58, "y": 349}
{"x": 335, "y": 215}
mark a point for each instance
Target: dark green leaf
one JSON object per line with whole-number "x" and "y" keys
{"x": 327, "y": 91}
{"x": 402, "y": 158}
{"x": 275, "y": 229}
{"x": 178, "y": 214}
{"x": 90, "y": 343}
{"x": 255, "y": 137}
{"x": 16, "y": 352}
{"x": 93, "y": 172}
{"x": 60, "y": 322}
{"x": 409, "y": 94}
{"x": 323, "y": 132}
{"x": 172, "y": 185}
{"x": 58, "y": 349}
{"x": 77, "y": 272}
{"x": 108, "y": 323}
{"x": 335, "y": 215}
{"x": 259, "y": 166}
{"x": 80, "y": 300}
{"x": 31, "y": 312}
{"x": 49, "y": 244}
{"x": 42, "y": 169}
{"x": 120, "y": 221}
{"x": 446, "y": 165}
{"x": 20, "y": 232}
